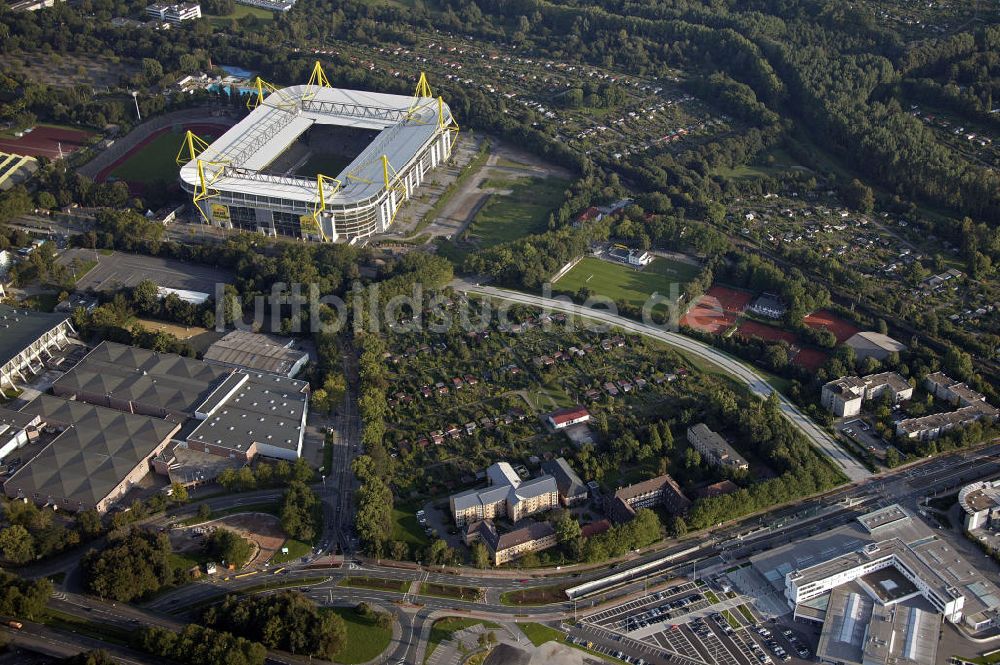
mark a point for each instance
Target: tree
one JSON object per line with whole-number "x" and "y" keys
{"x": 892, "y": 458}
{"x": 146, "y": 296}
{"x": 679, "y": 527}
{"x": 17, "y": 544}
{"x": 204, "y": 512}
{"x": 229, "y": 547}
{"x": 286, "y": 620}
{"x": 130, "y": 566}
{"x": 297, "y": 511}
{"x": 480, "y": 555}
{"x": 46, "y": 200}
{"x": 152, "y": 70}
{"x": 179, "y": 493}
{"x": 567, "y": 528}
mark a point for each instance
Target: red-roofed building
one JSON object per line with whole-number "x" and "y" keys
{"x": 590, "y": 214}
{"x": 565, "y": 417}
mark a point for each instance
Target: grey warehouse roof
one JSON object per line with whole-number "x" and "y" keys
{"x": 255, "y": 351}
{"x": 20, "y": 328}
{"x": 98, "y": 448}
{"x": 161, "y": 380}
{"x": 266, "y": 409}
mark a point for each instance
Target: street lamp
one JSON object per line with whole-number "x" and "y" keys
{"x": 135, "y": 98}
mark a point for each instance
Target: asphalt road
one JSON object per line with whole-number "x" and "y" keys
{"x": 851, "y": 468}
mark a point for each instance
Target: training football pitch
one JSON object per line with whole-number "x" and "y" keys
{"x": 156, "y": 161}
{"x": 624, "y": 283}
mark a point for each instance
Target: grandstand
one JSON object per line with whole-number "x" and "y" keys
{"x": 265, "y": 174}
{"x": 15, "y": 169}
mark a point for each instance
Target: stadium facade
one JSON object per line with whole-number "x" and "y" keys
{"x": 234, "y": 184}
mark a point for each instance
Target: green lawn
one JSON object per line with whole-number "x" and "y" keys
{"x": 376, "y": 583}
{"x": 539, "y": 633}
{"x": 365, "y": 639}
{"x": 623, "y": 283}
{"x": 541, "y": 595}
{"x": 296, "y": 550}
{"x": 442, "y": 630}
{"x": 522, "y": 212}
{"x": 156, "y": 161}
{"x": 242, "y": 11}
{"x": 405, "y": 526}
{"x": 449, "y": 591}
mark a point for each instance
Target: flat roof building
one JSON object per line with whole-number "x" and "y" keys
{"x": 980, "y": 504}
{"x": 96, "y": 458}
{"x": 16, "y": 429}
{"x": 714, "y": 449}
{"x": 174, "y": 13}
{"x": 927, "y": 428}
{"x": 857, "y": 630}
{"x": 254, "y": 351}
{"x": 863, "y": 551}
{"x": 843, "y": 397}
{"x": 242, "y": 412}
{"x": 26, "y": 339}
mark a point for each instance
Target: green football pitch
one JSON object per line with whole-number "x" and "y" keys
{"x": 624, "y": 283}
{"x": 155, "y": 161}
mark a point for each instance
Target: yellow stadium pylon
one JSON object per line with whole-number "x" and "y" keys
{"x": 423, "y": 87}
{"x": 191, "y": 147}
{"x": 320, "y": 205}
{"x": 264, "y": 90}
{"x": 318, "y": 76}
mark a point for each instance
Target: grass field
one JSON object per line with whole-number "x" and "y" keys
{"x": 442, "y": 630}
{"x": 506, "y": 217}
{"x": 623, "y": 283}
{"x": 296, "y": 550}
{"x": 405, "y": 526}
{"x": 376, "y": 583}
{"x": 365, "y": 639}
{"x": 539, "y": 633}
{"x": 242, "y": 11}
{"x": 541, "y": 595}
{"x": 450, "y": 591}
{"x": 155, "y": 161}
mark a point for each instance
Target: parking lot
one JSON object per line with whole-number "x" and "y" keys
{"x": 120, "y": 270}
{"x": 860, "y": 431}
{"x": 693, "y": 624}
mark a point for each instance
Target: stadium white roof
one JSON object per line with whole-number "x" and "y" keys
{"x": 271, "y": 128}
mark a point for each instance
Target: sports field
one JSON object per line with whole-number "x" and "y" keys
{"x": 45, "y": 141}
{"x": 717, "y": 310}
{"x": 821, "y": 318}
{"x": 624, "y": 283}
{"x": 239, "y": 12}
{"x": 506, "y": 217}
{"x": 749, "y": 328}
{"x": 155, "y": 160}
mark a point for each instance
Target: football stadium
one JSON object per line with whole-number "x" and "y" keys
{"x": 317, "y": 162}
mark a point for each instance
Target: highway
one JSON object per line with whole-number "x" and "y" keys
{"x": 850, "y": 467}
